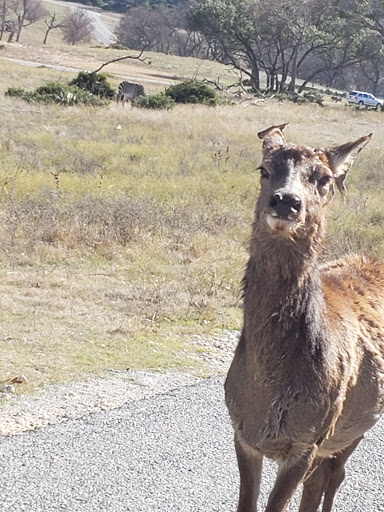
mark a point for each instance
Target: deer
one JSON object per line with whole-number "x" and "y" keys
{"x": 307, "y": 377}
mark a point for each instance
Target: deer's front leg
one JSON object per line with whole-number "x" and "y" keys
{"x": 250, "y": 465}
{"x": 289, "y": 476}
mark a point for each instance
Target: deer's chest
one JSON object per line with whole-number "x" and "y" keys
{"x": 275, "y": 413}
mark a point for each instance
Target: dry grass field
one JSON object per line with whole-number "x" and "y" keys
{"x": 124, "y": 232}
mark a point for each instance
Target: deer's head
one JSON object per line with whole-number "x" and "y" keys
{"x": 297, "y": 181}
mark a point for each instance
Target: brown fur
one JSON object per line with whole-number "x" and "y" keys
{"x": 307, "y": 379}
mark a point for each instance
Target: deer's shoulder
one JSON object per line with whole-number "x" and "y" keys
{"x": 354, "y": 289}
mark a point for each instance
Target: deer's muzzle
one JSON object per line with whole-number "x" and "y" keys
{"x": 285, "y": 206}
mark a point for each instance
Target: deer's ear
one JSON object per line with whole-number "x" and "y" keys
{"x": 273, "y": 138}
{"x": 341, "y": 158}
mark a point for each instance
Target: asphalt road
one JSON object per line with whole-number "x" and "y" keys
{"x": 171, "y": 452}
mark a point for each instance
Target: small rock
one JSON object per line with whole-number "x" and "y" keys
{"x": 21, "y": 379}
{"x": 7, "y": 388}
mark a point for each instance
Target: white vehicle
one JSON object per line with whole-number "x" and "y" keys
{"x": 364, "y": 99}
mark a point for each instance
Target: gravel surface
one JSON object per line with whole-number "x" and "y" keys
{"x": 169, "y": 452}
{"x": 55, "y": 404}
{"x": 145, "y": 442}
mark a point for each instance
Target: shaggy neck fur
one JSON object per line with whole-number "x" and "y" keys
{"x": 283, "y": 297}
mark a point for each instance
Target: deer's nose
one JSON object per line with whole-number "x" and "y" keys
{"x": 285, "y": 205}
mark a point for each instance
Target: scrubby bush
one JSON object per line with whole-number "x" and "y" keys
{"x": 58, "y": 93}
{"x": 300, "y": 99}
{"x": 155, "y": 101}
{"x": 115, "y": 46}
{"x": 192, "y": 91}
{"x": 95, "y": 83}
{"x": 15, "y": 92}
{"x": 54, "y": 92}
{"x": 314, "y": 97}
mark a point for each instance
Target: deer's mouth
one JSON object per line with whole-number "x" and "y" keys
{"x": 283, "y": 225}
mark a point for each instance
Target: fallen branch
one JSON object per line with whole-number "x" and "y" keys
{"x": 138, "y": 57}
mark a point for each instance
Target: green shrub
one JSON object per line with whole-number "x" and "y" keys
{"x": 155, "y": 101}
{"x": 95, "y": 83}
{"x": 282, "y": 96}
{"x": 15, "y": 92}
{"x": 192, "y": 91}
{"x": 18, "y": 92}
{"x": 301, "y": 100}
{"x": 116, "y": 46}
{"x": 313, "y": 97}
{"x": 54, "y": 92}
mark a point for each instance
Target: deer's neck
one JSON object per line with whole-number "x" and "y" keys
{"x": 283, "y": 297}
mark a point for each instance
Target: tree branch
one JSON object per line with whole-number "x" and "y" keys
{"x": 138, "y": 57}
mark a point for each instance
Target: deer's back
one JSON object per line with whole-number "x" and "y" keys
{"x": 353, "y": 287}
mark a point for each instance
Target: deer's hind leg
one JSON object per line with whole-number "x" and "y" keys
{"x": 315, "y": 485}
{"x": 290, "y": 475}
{"x": 250, "y": 464}
{"x": 325, "y": 481}
{"x": 338, "y": 474}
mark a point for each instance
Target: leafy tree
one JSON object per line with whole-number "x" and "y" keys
{"x": 231, "y": 30}
{"x": 277, "y": 37}
{"x": 367, "y": 20}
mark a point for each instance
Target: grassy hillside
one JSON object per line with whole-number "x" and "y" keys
{"x": 124, "y": 232}
{"x": 156, "y": 71}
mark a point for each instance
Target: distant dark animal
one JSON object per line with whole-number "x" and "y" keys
{"x": 336, "y": 99}
{"x": 128, "y": 91}
{"x": 307, "y": 378}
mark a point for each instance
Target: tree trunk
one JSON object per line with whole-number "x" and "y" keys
{"x": 292, "y": 85}
{"x": 3, "y": 13}
{"x": 46, "y": 35}
{"x": 255, "y": 78}
{"x": 269, "y": 84}
{"x": 20, "y": 23}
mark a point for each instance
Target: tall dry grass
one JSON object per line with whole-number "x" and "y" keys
{"x": 118, "y": 245}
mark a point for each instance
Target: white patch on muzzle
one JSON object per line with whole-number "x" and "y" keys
{"x": 275, "y": 223}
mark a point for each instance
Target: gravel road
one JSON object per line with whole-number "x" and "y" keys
{"x": 169, "y": 452}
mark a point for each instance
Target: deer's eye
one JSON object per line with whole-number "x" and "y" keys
{"x": 324, "y": 180}
{"x": 264, "y": 174}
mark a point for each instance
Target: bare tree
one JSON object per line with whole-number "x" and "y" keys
{"x": 141, "y": 29}
{"x": 10, "y": 27}
{"x": 3, "y": 14}
{"x": 26, "y": 12}
{"x": 51, "y": 23}
{"x": 77, "y": 27}
{"x": 159, "y": 29}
